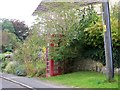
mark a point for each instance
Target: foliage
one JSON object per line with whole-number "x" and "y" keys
{"x": 30, "y": 70}
{"x": 9, "y": 41}
{"x": 69, "y": 22}
{"x": 2, "y": 57}
{"x": 94, "y": 42}
{"x": 3, "y": 60}
{"x": 21, "y": 30}
{"x": 8, "y": 37}
{"x": 94, "y": 45}
{"x": 10, "y": 68}
{"x": 115, "y": 32}
{"x": 20, "y": 70}
{"x": 40, "y": 68}
{"x": 116, "y": 56}
{"x": 94, "y": 35}
{"x": 82, "y": 29}
{"x": 28, "y": 53}
{"x": 4, "y": 37}
{"x": 115, "y": 11}
{"x": 3, "y": 65}
{"x": 7, "y": 24}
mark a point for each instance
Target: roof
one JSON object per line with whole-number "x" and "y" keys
{"x": 43, "y": 8}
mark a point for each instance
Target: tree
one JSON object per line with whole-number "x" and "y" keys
{"x": 9, "y": 41}
{"x": 17, "y": 27}
{"x": 6, "y": 24}
{"x": 21, "y": 30}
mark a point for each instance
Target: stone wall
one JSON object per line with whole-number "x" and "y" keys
{"x": 91, "y": 65}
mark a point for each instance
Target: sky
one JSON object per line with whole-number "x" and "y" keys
{"x": 19, "y": 9}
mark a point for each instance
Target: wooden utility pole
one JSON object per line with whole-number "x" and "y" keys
{"x": 108, "y": 41}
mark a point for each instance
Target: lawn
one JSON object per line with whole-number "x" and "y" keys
{"x": 84, "y": 79}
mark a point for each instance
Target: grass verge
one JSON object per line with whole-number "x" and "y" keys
{"x": 84, "y": 79}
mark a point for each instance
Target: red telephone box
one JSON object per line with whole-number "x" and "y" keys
{"x": 53, "y": 67}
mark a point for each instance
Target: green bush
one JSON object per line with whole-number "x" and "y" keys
{"x": 28, "y": 54}
{"x": 41, "y": 72}
{"x": 3, "y": 65}
{"x": 20, "y": 70}
{"x": 93, "y": 35}
{"x": 2, "y": 57}
{"x": 94, "y": 42}
{"x": 40, "y": 68}
{"x": 98, "y": 54}
{"x": 11, "y": 41}
{"x": 10, "y": 68}
{"x": 116, "y": 56}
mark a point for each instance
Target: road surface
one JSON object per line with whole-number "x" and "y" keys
{"x": 8, "y": 84}
{"x": 19, "y": 82}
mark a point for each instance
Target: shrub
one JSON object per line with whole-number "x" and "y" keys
{"x": 10, "y": 68}
{"x": 3, "y": 65}
{"x": 10, "y": 41}
{"x": 2, "y": 57}
{"x": 40, "y": 68}
{"x": 98, "y": 54}
{"x": 20, "y": 70}
{"x": 30, "y": 68}
{"x": 41, "y": 72}
{"x": 28, "y": 54}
